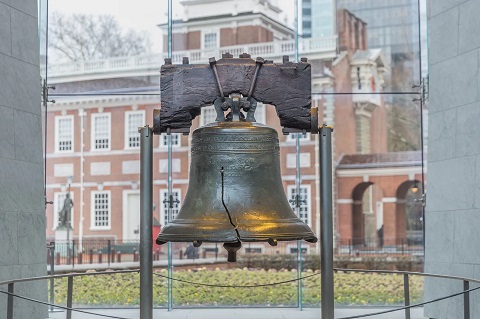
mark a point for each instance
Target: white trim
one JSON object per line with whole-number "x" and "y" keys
{"x": 116, "y": 184}
{"x": 388, "y": 171}
{"x": 57, "y": 119}
{"x": 292, "y": 143}
{"x": 345, "y": 201}
{"x": 93, "y": 118}
{"x": 126, "y": 138}
{"x": 92, "y": 210}
{"x": 88, "y": 102}
{"x": 294, "y": 177}
{"x": 125, "y": 194}
{"x": 389, "y": 200}
{"x": 57, "y": 206}
{"x": 113, "y": 152}
{"x": 184, "y": 181}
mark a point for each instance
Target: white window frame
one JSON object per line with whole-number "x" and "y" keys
{"x": 205, "y": 109}
{"x": 260, "y": 114}
{"x": 92, "y": 210}
{"x": 292, "y": 137}
{"x": 125, "y": 194}
{"x": 162, "y": 210}
{"x": 176, "y": 141}
{"x": 57, "y": 120}
{"x": 305, "y": 247}
{"x": 210, "y": 31}
{"x": 92, "y": 132}
{"x": 247, "y": 246}
{"x": 290, "y": 189}
{"x": 58, "y": 205}
{"x": 127, "y": 129}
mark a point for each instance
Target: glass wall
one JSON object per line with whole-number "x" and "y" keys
{"x": 101, "y": 62}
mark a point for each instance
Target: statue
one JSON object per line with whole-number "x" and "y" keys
{"x": 64, "y": 214}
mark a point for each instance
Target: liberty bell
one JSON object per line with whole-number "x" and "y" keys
{"x": 235, "y": 193}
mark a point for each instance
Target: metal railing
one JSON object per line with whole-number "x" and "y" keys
{"x": 116, "y": 251}
{"x": 268, "y": 50}
{"x": 394, "y": 246}
{"x": 11, "y": 295}
{"x": 406, "y": 291}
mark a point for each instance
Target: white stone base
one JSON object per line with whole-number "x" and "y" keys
{"x": 61, "y": 240}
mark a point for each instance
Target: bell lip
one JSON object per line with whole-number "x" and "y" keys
{"x": 311, "y": 238}
{"x": 184, "y": 230}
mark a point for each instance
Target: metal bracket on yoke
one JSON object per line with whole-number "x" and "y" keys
{"x": 258, "y": 65}
{"x": 213, "y": 65}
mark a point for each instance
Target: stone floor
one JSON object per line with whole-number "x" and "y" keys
{"x": 242, "y": 313}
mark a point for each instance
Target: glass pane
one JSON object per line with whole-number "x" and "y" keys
{"x": 377, "y": 143}
{"x": 393, "y": 27}
{"x": 104, "y": 47}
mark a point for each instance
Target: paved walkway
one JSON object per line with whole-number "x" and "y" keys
{"x": 242, "y": 313}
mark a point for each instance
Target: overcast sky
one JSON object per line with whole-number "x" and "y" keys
{"x": 139, "y": 14}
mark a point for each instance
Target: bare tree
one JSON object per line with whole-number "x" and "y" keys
{"x": 84, "y": 37}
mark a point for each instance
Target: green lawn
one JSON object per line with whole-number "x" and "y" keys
{"x": 350, "y": 289}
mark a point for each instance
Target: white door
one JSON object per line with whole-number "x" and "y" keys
{"x": 132, "y": 217}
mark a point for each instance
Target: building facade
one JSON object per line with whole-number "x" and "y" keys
{"x": 93, "y": 142}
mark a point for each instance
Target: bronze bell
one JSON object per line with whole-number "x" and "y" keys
{"x": 235, "y": 191}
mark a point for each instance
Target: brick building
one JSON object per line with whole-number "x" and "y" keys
{"x": 93, "y": 143}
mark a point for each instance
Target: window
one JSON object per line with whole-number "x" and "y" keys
{"x": 100, "y": 217}
{"x": 305, "y": 202}
{"x": 294, "y": 250}
{"x": 58, "y": 199}
{"x": 208, "y": 115}
{"x": 260, "y": 111}
{"x": 133, "y": 120}
{"x": 64, "y": 133}
{"x": 210, "y": 40}
{"x": 101, "y": 131}
{"x": 176, "y": 139}
{"x": 164, "y": 205}
{"x": 292, "y": 137}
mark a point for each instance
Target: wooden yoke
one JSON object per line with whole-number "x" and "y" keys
{"x": 186, "y": 88}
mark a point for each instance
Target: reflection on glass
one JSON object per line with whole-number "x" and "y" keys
{"x": 91, "y": 41}
{"x": 93, "y": 133}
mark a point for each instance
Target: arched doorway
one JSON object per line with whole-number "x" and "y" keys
{"x": 367, "y": 217}
{"x": 409, "y": 213}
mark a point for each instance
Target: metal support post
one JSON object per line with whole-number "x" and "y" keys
{"x": 69, "y": 296}
{"x": 52, "y": 273}
{"x": 169, "y": 219}
{"x": 146, "y": 206}
{"x": 109, "y": 250}
{"x": 466, "y": 300}
{"x": 11, "y": 290}
{"x": 298, "y": 181}
{"x": 406, "y": 292}
{"x": 328, "y": 299}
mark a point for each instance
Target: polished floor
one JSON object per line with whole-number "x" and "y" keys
{"x": 242, "y": 313}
